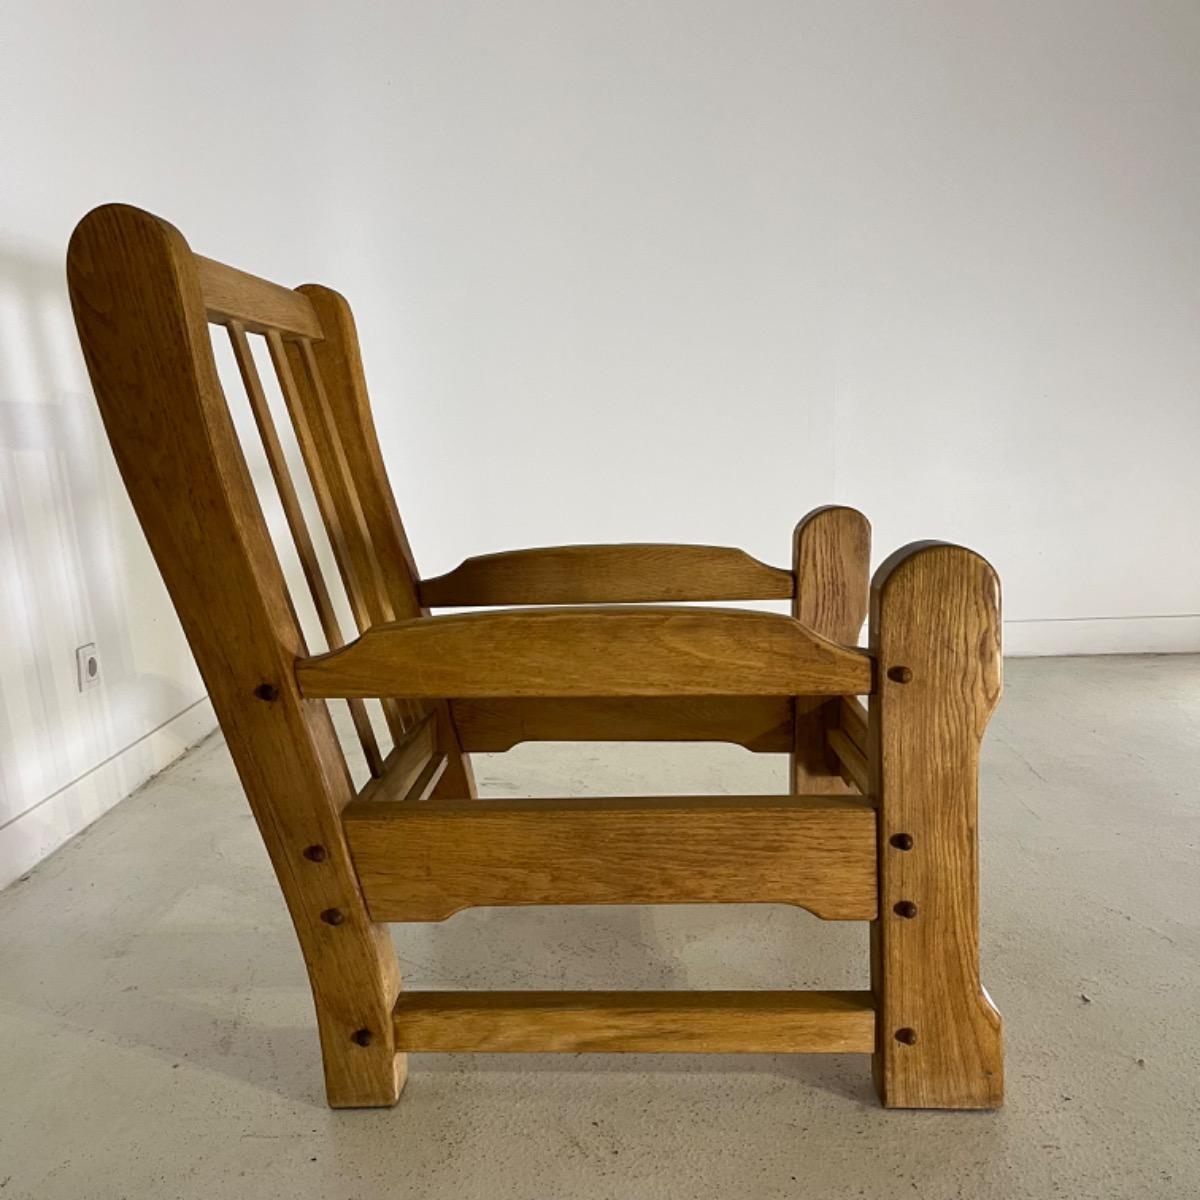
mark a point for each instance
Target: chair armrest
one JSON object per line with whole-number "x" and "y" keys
{"x": 642, "y": 651}
{"x": 619, "y": 574}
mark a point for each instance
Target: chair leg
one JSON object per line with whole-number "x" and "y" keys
{"x": 935, "y": 628}
{"x": 351, "y": 961}
{"x": 362, "y": 1070}
{"x": 831, "y": 561}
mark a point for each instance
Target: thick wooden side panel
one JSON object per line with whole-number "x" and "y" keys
{"x": 640, "y": 1022}
{"x": 257, "y": 304}
{"x": 634, "y": 573}
{"x": 590, "y": 652}
{"x": 935, "y": 624}
{"x": 760, "y": 723}
{"x": 141, "y": 317}
{"x": 426, "y": 862}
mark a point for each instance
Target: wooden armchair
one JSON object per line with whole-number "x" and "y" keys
{"x": 880, "y": 822}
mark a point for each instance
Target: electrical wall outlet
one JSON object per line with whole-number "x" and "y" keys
{"x": 87, "y": 666}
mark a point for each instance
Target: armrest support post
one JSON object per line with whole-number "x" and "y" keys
{"x": 831, "y": 562}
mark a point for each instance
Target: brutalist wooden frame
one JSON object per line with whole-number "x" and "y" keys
{"x": 880, "y": 823}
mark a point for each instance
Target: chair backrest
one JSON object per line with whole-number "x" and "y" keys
{"x": 145, "y": 305}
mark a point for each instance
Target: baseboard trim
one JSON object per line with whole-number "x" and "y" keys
{"x": 51, "y": 822}
{"x": 1175, "y": 634}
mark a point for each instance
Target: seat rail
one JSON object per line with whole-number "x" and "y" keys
{"x": 425, "y": 862}
{"x": 759, "y": 723}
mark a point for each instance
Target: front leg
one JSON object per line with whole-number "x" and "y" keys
{"x": 935, "y": 632}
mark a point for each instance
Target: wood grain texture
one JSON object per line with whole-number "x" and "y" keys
{"x": 634, "y": 573}
{"x": 140, "y": 311}
{"x": 256, "y": 304}
{"x": 935, "y": 613}
{"x": 760, "y": 723}
{"x": 637, "y": 1022}
{"x": 632, "y": 651}
{"x": 831, "y": 561}
{"x": 426, "y": 862}
{"x": 338, "y": 363}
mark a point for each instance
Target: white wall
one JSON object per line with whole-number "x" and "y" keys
{"x": 627, "y": 271}
{"x": 73, "y": 569}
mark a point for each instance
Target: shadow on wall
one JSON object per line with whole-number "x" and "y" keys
{"x": 74, "y": 569}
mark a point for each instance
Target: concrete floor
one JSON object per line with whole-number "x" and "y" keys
{"x": 156, "y": 1036}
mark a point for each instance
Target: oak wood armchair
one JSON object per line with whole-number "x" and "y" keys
{"x": 880, "y": 822}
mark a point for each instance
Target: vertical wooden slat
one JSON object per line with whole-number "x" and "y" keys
{"x": 339, "y": 367}
{"x": 294, "y": 514}
{"x": 336, "y": 501}
{"x": 348, "y": 497}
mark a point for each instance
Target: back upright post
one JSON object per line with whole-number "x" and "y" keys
{"x": 140, "y": 312}
{"x": 831, "y": 562}
{"x": 935, "y": 631}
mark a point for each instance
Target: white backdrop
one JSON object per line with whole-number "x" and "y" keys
{"x": 628, "y": 271}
